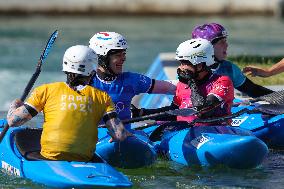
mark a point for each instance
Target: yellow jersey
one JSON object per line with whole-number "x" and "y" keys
{"x": 70, "y": 119}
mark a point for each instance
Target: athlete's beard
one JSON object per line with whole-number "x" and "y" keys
{"x": 74, "y": 80}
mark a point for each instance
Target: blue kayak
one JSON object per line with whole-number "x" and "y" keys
{"x": 269, "y": 128}
{"x": 211, "y": 146}
{"x": 20, "y": 157}
{"x": 134, "y": 152}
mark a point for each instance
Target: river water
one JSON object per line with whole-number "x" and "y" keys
{"x": 23, "y": 39}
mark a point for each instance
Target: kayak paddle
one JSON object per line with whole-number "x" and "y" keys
{"x": 276, "y": 97}
{"x": 272, "y": 109}
{"x": 34, "y": 76}
{"x": 176, "y": 112}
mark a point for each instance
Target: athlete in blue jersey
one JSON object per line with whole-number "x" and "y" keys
{"x": 217, "y": 34}
{"x": 232, "y": 70}
{"x": 121, "y": 86}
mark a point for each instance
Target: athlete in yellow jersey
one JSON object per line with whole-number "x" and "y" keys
{"x": 72, "y": 110}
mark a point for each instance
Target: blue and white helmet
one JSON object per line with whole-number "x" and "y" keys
{"x": 103, "y": 42}
{"x": 196, "y": 51}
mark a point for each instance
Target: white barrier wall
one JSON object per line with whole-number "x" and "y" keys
{"x": 144, "y": 6}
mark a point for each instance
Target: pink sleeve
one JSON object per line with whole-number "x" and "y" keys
{"x": 223, "y": 88}
{"x": 176, "y": 99}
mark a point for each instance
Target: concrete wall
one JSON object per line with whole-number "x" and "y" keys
{"x": 189, "y": 7}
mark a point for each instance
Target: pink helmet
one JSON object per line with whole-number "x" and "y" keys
{"x": 211, "y": 32}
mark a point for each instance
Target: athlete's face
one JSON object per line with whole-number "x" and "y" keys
{"x": 220, "y": 49}
{"x": 185, "y": 65}
{"x": 116, "y": 61}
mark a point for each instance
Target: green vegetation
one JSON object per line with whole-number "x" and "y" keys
{"x": 265, "y": 62}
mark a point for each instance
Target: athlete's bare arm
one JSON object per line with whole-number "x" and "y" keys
{"x": 17, "y": 114}
{"x": 163, "y": 87}
{"x": 265, "y": 72}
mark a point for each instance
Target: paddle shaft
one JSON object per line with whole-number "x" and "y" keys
{"x": 276, "y": 97}
{"x": 175, "y": 112}
{"x": 31, "y": 83}
{"x": 146, "y": 117}
{"x": 157, "y": 132}
{"x": 23, "y": 97}
{"x": 264, "y": 108}
{"x": 34, "y": 76}
{"x": 209, "y": 120}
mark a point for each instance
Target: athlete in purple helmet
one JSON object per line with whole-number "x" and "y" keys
{"x": 217, "y": 34}
{"x": 212, "y": 32}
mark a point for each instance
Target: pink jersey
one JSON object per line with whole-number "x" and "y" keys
{"x": 220, "y": 86}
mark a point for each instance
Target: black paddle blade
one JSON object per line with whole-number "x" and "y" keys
{"x": 182, "y": 112}
{"x": 273, "y": 109}
{"x": 276, "y": 97}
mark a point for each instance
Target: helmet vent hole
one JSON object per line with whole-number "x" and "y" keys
{"x": 197, "y": 46}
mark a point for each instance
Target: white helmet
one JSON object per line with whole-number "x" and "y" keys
{"x": 103, "y": 42}
{"x": 79, "y": 59}
{"x": 196, "y": 51}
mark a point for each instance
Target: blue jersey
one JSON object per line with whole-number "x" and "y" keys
{"x": 123, "y": 89}
{"x": 233, "y": 71}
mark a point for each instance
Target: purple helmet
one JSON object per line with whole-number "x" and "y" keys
{"x": 211, "y": 32}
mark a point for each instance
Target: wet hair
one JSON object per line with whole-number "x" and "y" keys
{"x": 214, "y": 41}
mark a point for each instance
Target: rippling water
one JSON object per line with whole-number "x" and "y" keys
{"x": 23, "y": 39}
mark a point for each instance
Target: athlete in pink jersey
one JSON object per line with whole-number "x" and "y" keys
{"x": 216, "y": 87}
{"x": 211, "y": 94}
{"x": 198, "y": 87}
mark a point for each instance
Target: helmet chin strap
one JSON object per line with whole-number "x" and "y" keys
{"x": 216, "y": 65}
{"x": 106, "y": 74}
